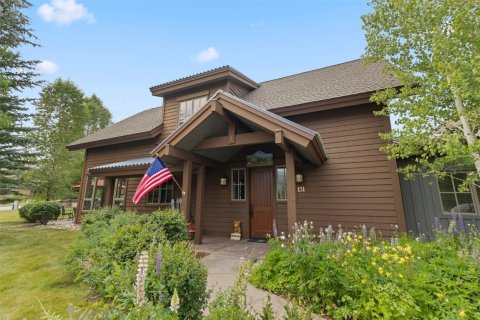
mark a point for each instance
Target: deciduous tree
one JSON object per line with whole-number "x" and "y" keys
{"x": 433, "y": 48}
{"x": 63, "y": 114}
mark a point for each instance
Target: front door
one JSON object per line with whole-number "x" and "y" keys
{"x": 261, "y": 201}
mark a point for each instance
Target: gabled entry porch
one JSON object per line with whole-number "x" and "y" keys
{"x": 244, "y": 160}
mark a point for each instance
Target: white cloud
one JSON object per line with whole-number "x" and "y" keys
{"x": 207, "y": 55}
{"x": 64, "y": 12}
{"x": 47, "y": 67}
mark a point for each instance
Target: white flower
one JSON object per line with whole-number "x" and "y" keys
{"x": 175, "y": 302}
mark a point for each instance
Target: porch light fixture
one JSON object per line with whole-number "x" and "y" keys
{"x": 223, "y": 181}
{"x": 299, "y": 178}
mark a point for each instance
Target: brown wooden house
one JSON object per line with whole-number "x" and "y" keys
{"x": 302, "y": 147}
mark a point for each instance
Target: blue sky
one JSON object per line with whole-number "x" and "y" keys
{"x": 118, "y": 49}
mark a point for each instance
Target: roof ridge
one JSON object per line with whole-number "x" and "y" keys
{"x": 308, "y": 71}
{"x": 193, "y": 75}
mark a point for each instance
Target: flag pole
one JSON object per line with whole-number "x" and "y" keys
{"x": 178, "y": 184}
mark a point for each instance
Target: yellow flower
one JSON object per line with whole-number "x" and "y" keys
{"x": 385, "y": 256}
{"x": 402, "y": 260}
{"x": 462, "y": 314}
{"x": 408, "y": 250}
{"x": 374, "y": 263}
{"x": 369, "y": 248}
{"x": 400, "y": 275}
{"x": 388, "y": 274}
{"x": 354, "y": 250}
{"x": 375, "y": 249}
{"x": 360, "y": 237}
{"x": 380, "y": 270}
{"x": 364, "y": 281}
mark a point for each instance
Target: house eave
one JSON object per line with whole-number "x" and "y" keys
{"x": 117, "y": 140}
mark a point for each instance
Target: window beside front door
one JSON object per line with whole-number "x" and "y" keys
{"x": 281, "y": 183}
{"x": 455, "y": 200}
{"x": 188, "y": 108}
{"x": 163, "y": 194}
{"x": 238, "y": 184}
{"x": 119, "y": 192}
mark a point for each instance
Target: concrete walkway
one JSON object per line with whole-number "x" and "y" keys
{"x": 223, "y": 257}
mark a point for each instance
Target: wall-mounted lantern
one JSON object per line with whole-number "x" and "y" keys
{"x": 223, "y": 181}
{"x": 299, "y": 178}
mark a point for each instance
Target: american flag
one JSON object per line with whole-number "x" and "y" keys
{"x": 156, "y": 174}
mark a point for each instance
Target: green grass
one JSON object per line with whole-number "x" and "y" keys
{"x": 32, "y": 269}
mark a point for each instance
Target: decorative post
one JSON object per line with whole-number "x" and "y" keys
{"x": 199, "y": 204}
{"x": 187, "y": 188}
{"x": 291, "y": 190}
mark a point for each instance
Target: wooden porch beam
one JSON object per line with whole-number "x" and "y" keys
{"x": 187, "y": 188}
{"x": 280, "y": 141}
{"x": 178, "y": 153}
{"x": 241, "y": 139}
{"x": 291, "y": 189}
{"x": 199, "y": 207}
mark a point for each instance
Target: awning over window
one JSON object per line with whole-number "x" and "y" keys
{"x": 132, "y": 163}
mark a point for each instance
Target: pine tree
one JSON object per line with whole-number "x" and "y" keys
{"x": 16, "y": 75}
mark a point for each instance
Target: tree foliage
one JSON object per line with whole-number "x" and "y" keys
{"x": 433, "y": 48}
{"x": 16, "y": 75}
{"x": 63, "y": 115}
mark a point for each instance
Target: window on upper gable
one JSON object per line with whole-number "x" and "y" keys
{"x": 188, "y": 108}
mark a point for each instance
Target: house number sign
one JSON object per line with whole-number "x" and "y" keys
{"x": 300, "y": 189}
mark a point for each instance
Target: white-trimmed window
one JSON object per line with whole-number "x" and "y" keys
{"x": 89, "y": 194}
{"x": 188, "y": 108}
{"x": 161, "y": 195}
{"x": 119, "y": 192}
{"x": 239, "y": 185}
{"x": 455, "y": 200}
{"x": 93, "y": 193}
{"x": 281, "y": 183}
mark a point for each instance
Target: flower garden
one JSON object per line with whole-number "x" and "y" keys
{"x": 359, "y": 275}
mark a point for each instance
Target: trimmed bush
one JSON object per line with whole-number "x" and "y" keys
{"x": 40, "y": 212}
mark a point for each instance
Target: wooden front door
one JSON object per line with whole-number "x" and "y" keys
{"x": 261, "y": 201}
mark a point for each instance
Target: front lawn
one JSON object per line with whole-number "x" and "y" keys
{"x": 32, "y": 269}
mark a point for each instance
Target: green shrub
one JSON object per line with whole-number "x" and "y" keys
{"x": 172, "y": 223}
{"x": 41, "y": 212}
{"x": 104, "y": 257}
{"x": 179, "y": 269}
{"x": 355, "y": 276}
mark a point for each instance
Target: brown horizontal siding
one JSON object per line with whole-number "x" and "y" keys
{"x": 220, "y": 211}
{"x": 356, "y": 183}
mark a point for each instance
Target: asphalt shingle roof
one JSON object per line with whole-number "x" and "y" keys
{"x": 142, "y": 122}
{"x": 335, "y": 81}
{"x": 345, "y": 79}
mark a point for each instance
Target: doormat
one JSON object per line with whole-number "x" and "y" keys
{"x": 259, "y": 240}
